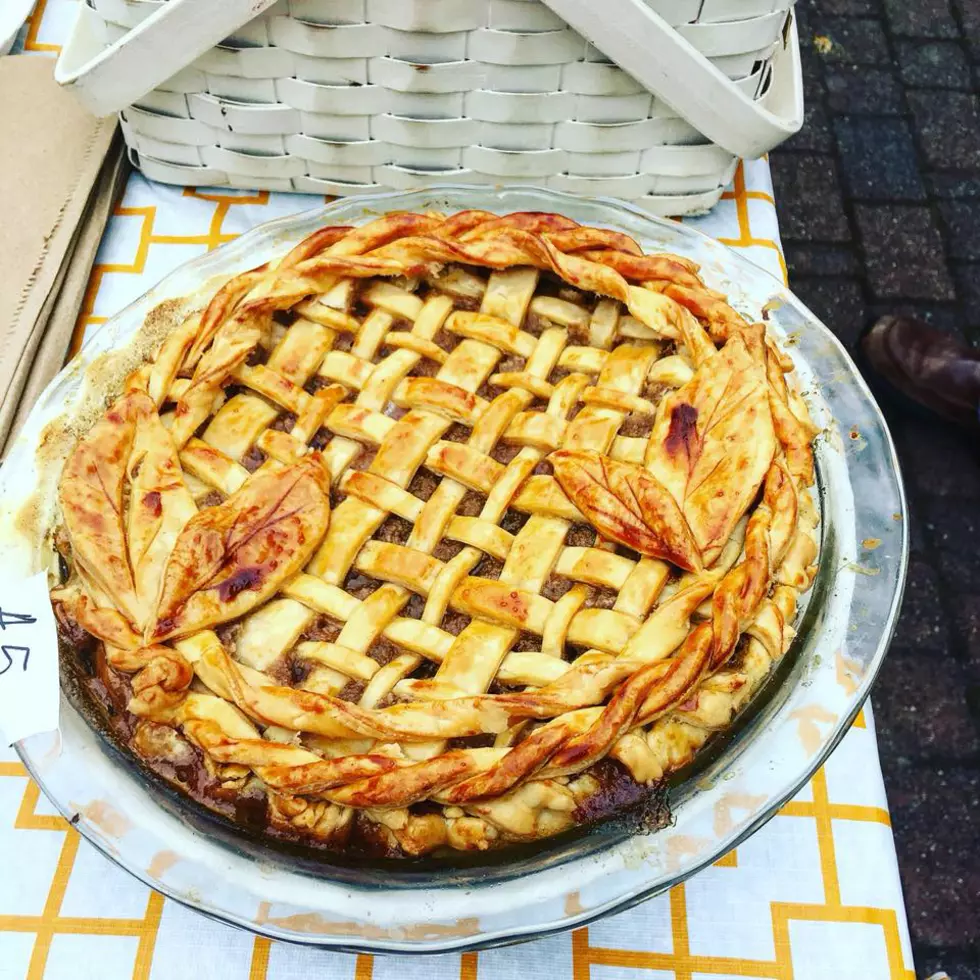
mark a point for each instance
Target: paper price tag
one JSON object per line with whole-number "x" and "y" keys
{"x": 28, "y": 659}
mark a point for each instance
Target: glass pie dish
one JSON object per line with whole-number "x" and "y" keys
{"x": 732, "y": 787}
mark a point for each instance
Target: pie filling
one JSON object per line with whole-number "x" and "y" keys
{"x": 441, "y": 532}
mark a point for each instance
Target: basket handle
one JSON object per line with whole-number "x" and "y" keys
{"x": 106, "y": 80}
{"x": 642, "y": 43}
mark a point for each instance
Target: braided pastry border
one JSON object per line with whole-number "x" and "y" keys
{"x": 651, "y": 707}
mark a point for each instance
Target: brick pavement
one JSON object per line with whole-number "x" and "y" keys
{"x": 879, "y": 200}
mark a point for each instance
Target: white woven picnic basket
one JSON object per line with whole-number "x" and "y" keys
{"x": 351, "y": 96}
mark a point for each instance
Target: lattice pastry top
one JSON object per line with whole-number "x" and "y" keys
{"x": 440, "y": 531}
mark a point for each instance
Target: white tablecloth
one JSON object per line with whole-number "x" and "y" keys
{"x": 815, "y": 895}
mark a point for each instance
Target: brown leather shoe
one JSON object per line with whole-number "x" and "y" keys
{"x": 928, "y": 366}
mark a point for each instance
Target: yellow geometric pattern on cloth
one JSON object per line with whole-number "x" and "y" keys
{"x": 843, "y": 818}
{"x": 588, "y": 958}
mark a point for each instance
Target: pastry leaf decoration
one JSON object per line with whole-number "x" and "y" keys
{"x": 714, "y": 440}
{"x": 122, "y": 553}
{"x": 626, "y": 504}
{"x": 159, "y": 506}
{"x": 232, "y": 557}
{"x": 91, "y": 498}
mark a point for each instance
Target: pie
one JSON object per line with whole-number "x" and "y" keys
{"x": 440, "y": 532}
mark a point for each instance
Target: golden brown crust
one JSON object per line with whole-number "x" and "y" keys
{"x": 577, "y": 507}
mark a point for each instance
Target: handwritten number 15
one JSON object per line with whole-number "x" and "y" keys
{"x": 7, "y": 650}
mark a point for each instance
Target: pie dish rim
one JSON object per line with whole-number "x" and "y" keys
{"x": 279, "y": 233}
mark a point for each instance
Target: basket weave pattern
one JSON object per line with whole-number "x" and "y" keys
{"x": 352, "y": 96}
